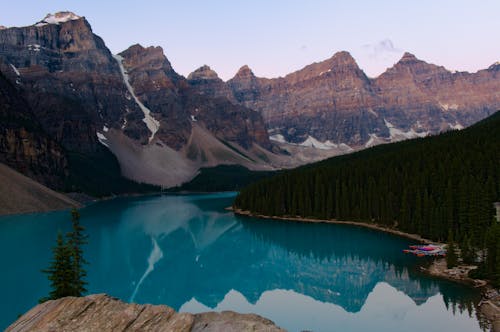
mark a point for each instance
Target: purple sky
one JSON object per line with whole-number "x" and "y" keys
{"x": 276, "y": 37}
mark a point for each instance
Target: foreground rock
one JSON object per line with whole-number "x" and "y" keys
{"x": 101, "y": 312}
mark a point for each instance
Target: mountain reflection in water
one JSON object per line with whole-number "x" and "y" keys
{"x": 191, "y": 254}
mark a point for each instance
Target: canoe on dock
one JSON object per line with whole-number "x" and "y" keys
{"x": 426, "y": 250}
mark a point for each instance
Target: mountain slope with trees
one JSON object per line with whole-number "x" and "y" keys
{"x": 439, "y": 187}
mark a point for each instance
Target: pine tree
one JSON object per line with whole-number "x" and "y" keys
{"x": 60, "y": 271}
{"x": 76, "y": 239}
{"x": 66, "y": 273}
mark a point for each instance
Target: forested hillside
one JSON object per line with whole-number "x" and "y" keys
{"x": 441, "y": 187}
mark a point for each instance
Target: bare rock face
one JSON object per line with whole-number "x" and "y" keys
{"x": 103, "y": 313}
{"x": 177, "y": 103}
{"x": 321, "y": 100}
{"x": 68, "y": 77}
{"x": 334, "y": 100}
{"x": 205, "y": 81}
{"x": 24, "y": 145}
{"x": 246, "y": 86}
{"x": 413, "y": 90}
{"x": 78, "y": 93}
{"x": 159, "y": 88}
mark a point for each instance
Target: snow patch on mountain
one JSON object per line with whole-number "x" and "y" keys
{"x": 456, "y": 126}
{"x": 102, "y": 139}
{"x": 448, "y": 107}
{"x": 152, "y": 124}
{"x": 324, "y": 72}
{"x": 15, "y": 70}
{"x": 314, "y": 143}
{"x": 34, "y": 47}
{"x": 57, "y": 18}
{"x": 278, "y": 138}
{"x": 399, "y": 135}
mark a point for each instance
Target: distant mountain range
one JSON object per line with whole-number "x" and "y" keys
{"x": 77, "y": 99}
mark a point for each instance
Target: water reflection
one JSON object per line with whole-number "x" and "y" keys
{"x": 191, "y": 254}
{"x": 187, "y": 252}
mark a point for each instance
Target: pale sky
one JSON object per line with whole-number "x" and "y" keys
{"x": 276, "y": 37}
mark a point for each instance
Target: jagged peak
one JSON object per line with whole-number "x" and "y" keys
{"x": 342, "y": 57}
{"x": 138, "y": 48}
{"x": 59, "y": 17}
{"x": 408, "y": 58}
{"x": 244, "y": 72}
{"x": 203, "y": 73}
{"x": 151, "y": 56}
{"x": 338, "y": 60}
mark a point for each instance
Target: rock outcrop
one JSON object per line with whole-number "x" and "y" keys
{"x": 205, "y": 81}
{"x": 177, "y": 103}
{"x": 154, "y": 120}
{"x": 104, "y": 313}
{"x": 69, "y": 79}
{"x": 82, "y": 97}
{"x": 335, "y": 102}
{"x": 24, "y": 145}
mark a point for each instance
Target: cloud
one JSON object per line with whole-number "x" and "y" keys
{"x": 303, "y": 48}
{"x": 381, "y": 50}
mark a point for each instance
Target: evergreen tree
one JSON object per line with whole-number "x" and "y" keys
{"x": 427, "y": 186}
{"x": 66, "y": 273}
{"x": 60, "y": 271}
{"x": 76, "y": 239}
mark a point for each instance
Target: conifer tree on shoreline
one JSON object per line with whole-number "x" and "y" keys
{"x": 66, "y": 273}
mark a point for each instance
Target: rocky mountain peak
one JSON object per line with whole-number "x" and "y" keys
{"x": 340, "y": 65}
{"x": 57, "y": 18}
{"x": 244, "y": 73}
{"x": 203, "y": 73}
{"x": 342, "y": 58}
{"x": 409, "y": 64}
{"x": 151, "y": 57}
{"x": 408, "y": 59}
{"x": 2, "y": 27}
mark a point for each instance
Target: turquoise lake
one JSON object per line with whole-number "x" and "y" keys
{"x": 189, "y": 253}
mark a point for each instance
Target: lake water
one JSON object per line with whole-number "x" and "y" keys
{"x": 191, "y": 254}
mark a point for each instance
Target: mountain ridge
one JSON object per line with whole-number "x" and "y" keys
{"x": 80, "y": 93}
{"x": 88, "y": 100}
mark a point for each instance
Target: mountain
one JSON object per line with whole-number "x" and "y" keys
{"x": 440, "y": 187}
{"x": 133, "y": 115}
{"x": 69, "y": 78}
{"x": 333, "y": 102}
{"x": 133, "y": 106}
{"x": 20, "y": 194}
{"x": 24, "y": 145}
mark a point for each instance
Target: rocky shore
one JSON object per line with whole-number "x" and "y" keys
{"x": 101, "y": 312}
{"x": 489, "y": 306}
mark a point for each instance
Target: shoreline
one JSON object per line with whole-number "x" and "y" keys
{"x": 489, "y": 306}
{"x": 377, "y": 227}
